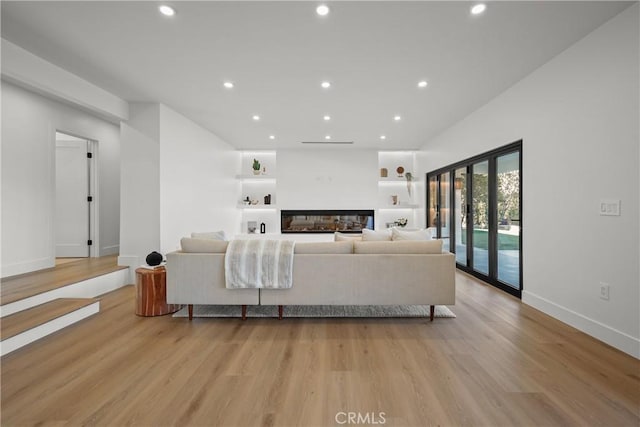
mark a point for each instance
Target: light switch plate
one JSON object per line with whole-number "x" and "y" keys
{"x": 610, "y": 207}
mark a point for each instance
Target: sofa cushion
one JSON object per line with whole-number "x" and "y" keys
{"x": 342, "y": 237}
{"x": 375, "y": 236}
{"x": 401, "y": 247}
{"x": 398, "y": 234}
{"x": 192, "y": 245}
{"x": 432, "y": 232}
{"x": 213, "y": 235}
{"x": 345, "y": 247}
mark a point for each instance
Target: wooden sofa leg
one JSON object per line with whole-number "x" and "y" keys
{"x": 190, "y": 311}
{"x": 432, "y": 311}
{"x": 244, "y": 312}
{"x": 280, "y": 311}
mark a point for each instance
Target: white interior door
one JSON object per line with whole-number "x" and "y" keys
{"x": 72, "y": 190}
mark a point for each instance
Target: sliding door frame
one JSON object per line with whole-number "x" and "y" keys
{"x": 491, "y": 157}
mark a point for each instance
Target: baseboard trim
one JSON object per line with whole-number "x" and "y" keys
{"x": 615, "y": 338}
{"x": 27, "y": 266}
{"x": 109, "y": 250}
{"x": 131, "y": 261}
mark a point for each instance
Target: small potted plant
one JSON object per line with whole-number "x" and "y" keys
{"x": 256, "y": 167}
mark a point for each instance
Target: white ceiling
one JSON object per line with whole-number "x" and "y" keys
{"x": 277, "y": 53}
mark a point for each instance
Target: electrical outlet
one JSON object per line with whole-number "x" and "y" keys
{"x": 604, "y": 291}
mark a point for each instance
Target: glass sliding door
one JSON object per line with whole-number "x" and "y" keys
{"x": 480, "y": 216}
{"x": 475, "y": 206}
{"x": 460, "y": 214}
{"x": 508, "y": 218}
{"x": 445, "y": 211}
{"x": 432, "y": 202}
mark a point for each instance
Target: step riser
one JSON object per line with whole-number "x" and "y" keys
{"x": 27, "y": 337}
{"x": 89, "y": 288}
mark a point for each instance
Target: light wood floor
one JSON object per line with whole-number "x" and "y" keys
{"x": 15, "y": 288}
{"x": 27, "y": 319}
{"x": 499, "y": 363}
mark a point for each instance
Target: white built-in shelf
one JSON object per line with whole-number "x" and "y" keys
{"x": 412, "y": 206}
{"x": 261, "y": 206}
{"x": 256, "y": 177}
{"x": 393, "y": 181}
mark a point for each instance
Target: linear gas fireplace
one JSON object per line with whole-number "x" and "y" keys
{"x": 326, "y": 221}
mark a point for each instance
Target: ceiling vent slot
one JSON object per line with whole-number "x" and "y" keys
{"x": 327, "y": 142}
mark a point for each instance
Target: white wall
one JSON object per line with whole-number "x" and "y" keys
{"x": 29, "y": 123}
{"x": 176, "y": 178}
{"x": 327, "y": 179}
{"x": 140, "y": 185}
{"x": 578, "y": 117}
{"x": 34, "y": 73}
{"x": 198, "y": 189}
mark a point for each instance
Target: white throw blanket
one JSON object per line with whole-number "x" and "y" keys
{"x": 259, "y": 264}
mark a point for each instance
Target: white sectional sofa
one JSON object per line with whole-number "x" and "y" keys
{"x": 324, "y": 273}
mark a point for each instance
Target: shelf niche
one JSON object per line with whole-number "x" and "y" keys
{"x": 256, "y": 187}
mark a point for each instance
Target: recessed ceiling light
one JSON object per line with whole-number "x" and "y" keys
{"x": 325, "y": 85}
{"x": 322, "y": 10}
{"x": 228, "y": 85}
{"x": 478, "y": 9}
{"x": 397, "y": 118}
{"x": 326, "y": 118}
{"x": 167, "y": 10}
{"x": 383, "y": 137}
{"x": 422, "y": 83}
{"x": 256, "y": 117}
{"x": 272, "y": 137}
{"x": 327, "y": 137}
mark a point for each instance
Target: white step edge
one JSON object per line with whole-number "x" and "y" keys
{"x": 17, "y": 341}
{"x": 89, "y": 288}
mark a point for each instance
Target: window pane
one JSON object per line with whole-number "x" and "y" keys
{"x": 460, "y": 205}
{"x": 480, "y": 208}
{"x": 433, "y": 202}
{"x": 508, "y": 181}
{"x": 444, "y": 210}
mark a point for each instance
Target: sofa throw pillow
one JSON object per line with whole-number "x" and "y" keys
{"x": 403, "y": 247}
{"x": 432, "y": 232}
{"x": 191, "y": 245}
{"x": 342, "y": 237}
{"x": 397, "y": 234}
{"x": 375, "y": 236}
{"x": 212, "y": 235}
{"x": 344, "y": 247}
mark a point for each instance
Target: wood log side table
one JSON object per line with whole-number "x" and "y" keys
{"x": 151, "y": 293}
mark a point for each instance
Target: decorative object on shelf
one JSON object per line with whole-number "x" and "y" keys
{"x": 252, "y": 226}
{"x": 383, "y": 172}
{"x": 263, "y": 228}
{"x": 401, "y": 222}
{"x": 246, "y": 201}
{"x": 264, "y": 170}
{"x": 254, "y": 202}
{"x": 256, "y": 167}
{"x": 409, "y": 178}
{"x": 400, "y": 171}
{"x": 394, "y": 200}
{"x": 267, "y": 199}
{"x": 154, "y": 258}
